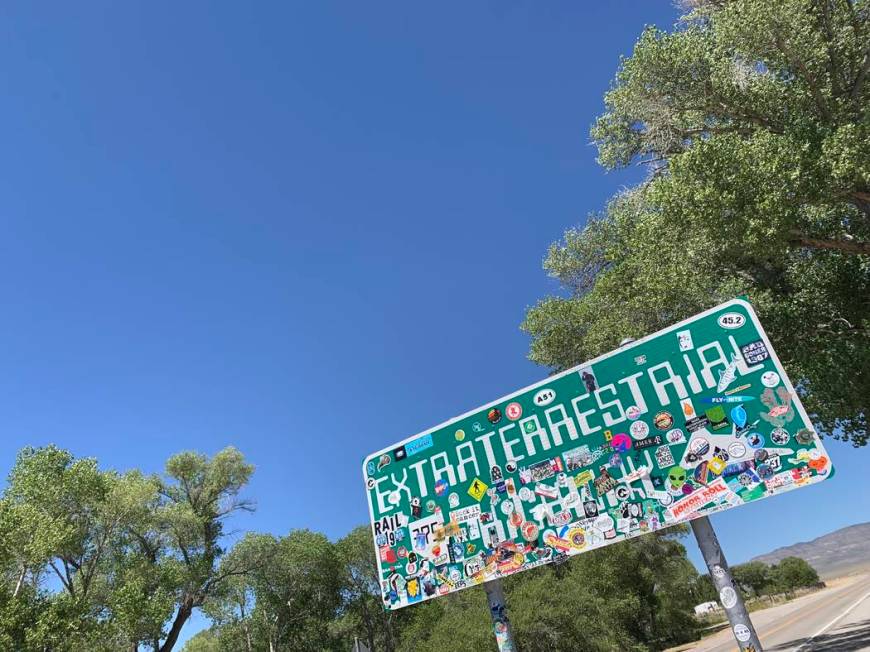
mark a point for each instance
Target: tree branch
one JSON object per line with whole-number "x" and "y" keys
{"x": 846, "y": 246}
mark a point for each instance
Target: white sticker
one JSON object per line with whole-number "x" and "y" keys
{"x": 684, "y": 338}
{"x": 770, "y": 379}
{"x": 632, "y": 412}
{"x": 676, "y": 436}
{"x": 639, "y": 429}
{"x": 728, "y": 597}
{"x": 545, "y": 397}
{"x": 736, "y": 449}
{"x": 742, "y": 633}
{"x": 718, "y": 571}
{"x": 731, "y": 320}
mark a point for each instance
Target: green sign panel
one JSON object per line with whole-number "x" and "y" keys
{"x": 691, "y": 420}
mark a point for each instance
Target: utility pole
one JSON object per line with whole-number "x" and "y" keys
{"x": 504, "y": 636}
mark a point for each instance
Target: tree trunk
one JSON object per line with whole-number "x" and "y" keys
{"x": 248, "y": 638}
{"x": 20, "y": 581}
{"x": 181, "y": 617}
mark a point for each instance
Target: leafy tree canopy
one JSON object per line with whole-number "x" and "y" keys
{"x": 753, "y": 119}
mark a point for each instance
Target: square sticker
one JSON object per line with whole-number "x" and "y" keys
{"x": 478, "y": 488}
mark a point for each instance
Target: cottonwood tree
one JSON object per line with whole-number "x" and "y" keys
{"x": 132, "y": 555}
{"x": 753, "y": 118}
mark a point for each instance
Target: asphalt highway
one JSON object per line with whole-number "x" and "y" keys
{"x": 835, "y": 619}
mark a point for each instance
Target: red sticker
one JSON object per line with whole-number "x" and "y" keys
{"x": 513, "y": 411}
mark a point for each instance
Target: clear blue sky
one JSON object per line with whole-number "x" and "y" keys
{"x": 304, "y": 229}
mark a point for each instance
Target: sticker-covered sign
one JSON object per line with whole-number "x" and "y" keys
{"x": 691, "y": 420}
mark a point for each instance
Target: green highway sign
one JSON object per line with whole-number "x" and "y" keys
{"x": 691, "y": 420}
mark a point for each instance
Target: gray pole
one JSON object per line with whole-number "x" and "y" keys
{"x": 729, "y": 595}
{"x": 504, "y": 637}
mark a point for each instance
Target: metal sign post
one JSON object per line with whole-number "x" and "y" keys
{"x": 729, "y": 595}
{"x": 504, "y": 637}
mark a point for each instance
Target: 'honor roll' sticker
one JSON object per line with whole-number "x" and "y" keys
{"x": 694, "y": 419}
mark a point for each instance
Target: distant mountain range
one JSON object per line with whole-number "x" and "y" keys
{"x": 832, "y": 554}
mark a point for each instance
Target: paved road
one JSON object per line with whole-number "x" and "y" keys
{"x": 835, "y": 619}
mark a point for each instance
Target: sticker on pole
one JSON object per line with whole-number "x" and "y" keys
{"x": 697, "y": 418}
{"x": 742, "y": 633}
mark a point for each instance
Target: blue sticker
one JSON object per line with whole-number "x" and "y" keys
{"x": 418, "y": 445}
{"x": 738, "y": 416}
{"x": 716, "y": 400}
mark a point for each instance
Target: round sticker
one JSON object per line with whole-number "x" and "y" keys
{"x": 761, "y": 455}
{"x": 621, "y": 442}
{"x": 526, "y": 494}
{"x": 459, "y": 434}
{"x": 639, "y": 429}
{"x": 513, "y": 411}
{"x": 663, "y": 420}
{"x": 728, "y": 597}
{"x": 431, "y": 506}
{"x": 666, "y": 500}
{"x": 699, "y": 446}
{"x": 632, "y": 412}
{"x": 770, "y": 379}
{"x": 736, "y": 449}
{"x": 394, "y": 498}
{"x": 718, "y": 571}
{"x": 494, "y": 415}
{"x": 742, "y": 633}
{"x": 780, "y": 436}
{"x": 545, "y": 397}
{"x": 507, "y": 507}
{"x": 764, "y": 471}
{"x": 804, "y": 436}
{"x": 755, "y": 440}
{"x": 577, "y": 537}
{"x": 370, "y": 483}
{"x": 516, "y": 519}
{"x": 529, "y": 531}
{"x": 510, "y": 466}
{"x": 622, "y": 492}
{"x": 675, "y": 436}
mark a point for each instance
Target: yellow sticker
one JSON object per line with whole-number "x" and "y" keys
{"x": 608, "y": 435}
{"x": 716, "y": 465}
{"x": 478, "y": 488}
{"x": 584, "y": 477}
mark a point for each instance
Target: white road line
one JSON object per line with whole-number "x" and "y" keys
{"x": 832, "y": 623}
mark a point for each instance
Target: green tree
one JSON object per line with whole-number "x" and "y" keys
{"x": 753, "y": 119}
{"x": 752, "y": 577}
{"x": 362, "y": 611}
{"x": 793, "y": 573}
{"x": 703, "y": 590}
{"x": 288, "y": 598}
{"x": 133, "y": 555}
{"x": 633, "y": 595}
